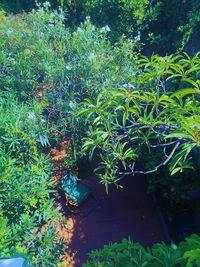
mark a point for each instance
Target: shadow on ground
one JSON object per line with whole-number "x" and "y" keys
{"x": 104, "y": 218}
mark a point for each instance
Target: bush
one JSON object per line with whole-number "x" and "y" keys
{"x": 160, "y": 255}
{"x": 39, "y": 54}
{"x": 26, "y": 209}
{"x": 122, "y": 16}
{"x": 147, "y": 116}
{"x": 40, "y": 58}
{"x": 52, "y": 70}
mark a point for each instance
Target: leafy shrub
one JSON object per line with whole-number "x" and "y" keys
{"x": 165, "y": 26}
{"x": 25, "y": 185}
{"x": 41, "y": 58}
{"x": 146, "y": 115}
{"x": 160, "y": 255}
{"x": 39, "y": 54}
{"x": 122, "y": 16}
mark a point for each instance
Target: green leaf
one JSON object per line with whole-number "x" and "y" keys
{"x": 184, "y": 92}
{"x": 175, "y": 170}
{"x": 192, "y": 70}
{"x": 191, "y": 82}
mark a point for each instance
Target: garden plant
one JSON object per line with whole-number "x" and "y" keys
{"x": 76, "y": 74}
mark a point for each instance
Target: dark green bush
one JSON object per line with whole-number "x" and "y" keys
{"x": 128, "y": 253}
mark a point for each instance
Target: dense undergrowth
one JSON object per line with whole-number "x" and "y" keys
{"x": 159, "y": 255}
{"x": 163, "y": 26}
{"x": 46, "y": 71}
{"x": 25, "y": 204}
{"x": 133, "y": 105}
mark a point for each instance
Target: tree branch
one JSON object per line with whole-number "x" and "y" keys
{"x": 133, "y": 172}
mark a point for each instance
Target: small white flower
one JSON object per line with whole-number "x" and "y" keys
{"x": 47, "y": 4}
{"x": 107, "y": 28}
{"x": 31, "y": 116}
{"x": 91, "y": 56}
{"x": 37, "y": 4}
{"x": 128, "y": 86}
{"x": 68, "y": 67}
{"x": 137, "y": 38}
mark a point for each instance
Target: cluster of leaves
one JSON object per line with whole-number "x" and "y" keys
{"x": 127, "y": 253}
{"x": 25, "y": 185}
{"x": 158, "y": 109}
{"x": 165, "y": 26}
{"x": 52, "y": 70}
{"x": 41, "y": 58}
{"x": 176, "y": 24}
{"x": 122, "y": 16}
{"x": 133, "y": 107}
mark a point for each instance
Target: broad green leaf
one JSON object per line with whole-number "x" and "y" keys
{"x": 184, "y": 92}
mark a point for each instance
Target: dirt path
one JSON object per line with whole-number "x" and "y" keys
{"x": 103, "y": 218}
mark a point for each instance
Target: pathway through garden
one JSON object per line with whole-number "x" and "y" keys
{"x": 104, "y": 218}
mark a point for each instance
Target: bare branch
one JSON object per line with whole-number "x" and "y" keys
{"x": 165, "y": 144}
{"x": 133, "y": 172}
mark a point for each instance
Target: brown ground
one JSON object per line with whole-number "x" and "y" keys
{"x": 102, "y": 218}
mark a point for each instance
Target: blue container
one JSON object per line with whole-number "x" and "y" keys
{"x": 74, "y": 188}
{"x": 13, "y": 262}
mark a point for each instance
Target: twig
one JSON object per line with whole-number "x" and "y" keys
{"x": 150, "y": 171}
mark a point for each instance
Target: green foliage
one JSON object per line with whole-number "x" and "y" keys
{"x": 122, "y": 16}
{"x": 39, "y": 54}
{"x": 191, "y": 249}
{"x": 17, "y": 6}
{"x": 125, "y": 253}
{"x": 190, "y": 28}
{"x": 25, "y": 185}
{"x": 165, "y": 26}
{"x": 148, "y": 113}
{"x": 172, "y": 26}
{"x": 52, "y": 70}
{"x": 159, "y": 255}
{"x": 41, "y": 58}
{"x": 132, "y": 107}
{"x": 26, "y": 54}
